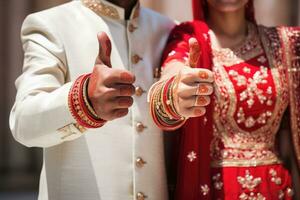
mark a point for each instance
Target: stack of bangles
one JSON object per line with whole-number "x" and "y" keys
{"x": 162, "y": 106}
{"x": 80, "y": 106}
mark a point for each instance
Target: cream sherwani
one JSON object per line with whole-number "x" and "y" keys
{"x": 122, "y": 160}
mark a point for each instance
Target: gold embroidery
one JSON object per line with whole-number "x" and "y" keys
{"x": 252, "y": 90}
{"x": 252, "y": 196}
{"x": 80, "y": 128}
{"x": 291, "y": 47}
{"x": 102, "y": 9}
{"x": 249, "y": 182}
{"x": 289, "y": 192}
{"x": 66, "y": 131}
{"x": 204, "y": 189}
{"x": 237, "y": 55}
{"x": 218, "y": 184}
{"x": 275, "y": 179}
{"x": 232, "y": 144}
{"x": 192, "y": 156}
{"x": 280, "y": 195}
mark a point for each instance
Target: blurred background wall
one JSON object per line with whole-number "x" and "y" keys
{"x": 20, "y": 166}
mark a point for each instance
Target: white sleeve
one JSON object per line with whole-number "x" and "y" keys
{"x": 40, "y": 116}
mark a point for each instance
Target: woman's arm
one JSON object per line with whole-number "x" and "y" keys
{"x": 191, "y": 86}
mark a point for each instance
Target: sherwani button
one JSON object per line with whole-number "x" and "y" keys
{"x": 140, "y": 127}
{"x": 135, "y": 59}
{"x": 139, "y": 162}
{"x": 131, "y": 28}
{"x": 139, "y": 91}
{"x": 140, "y": 196}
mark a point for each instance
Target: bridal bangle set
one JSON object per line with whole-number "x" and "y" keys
{"x": 79, "y": 105}
{"x": 162, "y": 106}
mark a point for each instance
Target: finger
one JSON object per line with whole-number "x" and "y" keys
{"x": 186, "y": 91}
{"x": 195, "y": 101}
{"x": 111, "y": 105}
{"x": 119, "y": 77}
{"x": 204, "y": 89}
{"x": 104, "y": 49}
{"x": 201, "y": 101}
{"x": 196, "y": 111}
{"x": 194, "y": 52}
{"x": 117, "y": 103}
{"x": 118, "y": 113}
{"x": 122, "y": 102}
{"x": 205, "y": 75}
{"x": 125, "y": 90}
{"x": 196, "y": 75}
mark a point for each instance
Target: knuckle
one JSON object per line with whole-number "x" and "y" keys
{"x": 105, "y": 108}
{"x": 107, "y": 77}
{"x": 126, "y": 76}
{"x": 103, "y": 91}
{"x": 181, "y": 89}
{"x": 100, "y": 70}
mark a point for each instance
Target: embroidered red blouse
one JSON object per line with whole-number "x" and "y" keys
{"x": 253, "y": 84}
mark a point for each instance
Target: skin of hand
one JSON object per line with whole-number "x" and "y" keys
{"x": 109, "y": 90}
{"x": 193, "y": 85}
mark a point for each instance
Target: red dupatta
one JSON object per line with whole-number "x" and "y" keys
{"x": 193, "y": 173}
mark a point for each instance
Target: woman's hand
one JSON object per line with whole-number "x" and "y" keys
{"x": 193, "y": 85}
{"x": 191, "y": 94}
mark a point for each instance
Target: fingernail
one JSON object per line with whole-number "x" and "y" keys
{"x": 203, "y": 89}
{"x": 203, "y": 75}
{"x": 108, "y": 47}
{"x": 198, "y": 112}
{"x": 201, "y": 101}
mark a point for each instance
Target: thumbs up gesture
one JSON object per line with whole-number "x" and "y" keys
{"x": 194, "y": 85}
{"x": 109, "y": 89}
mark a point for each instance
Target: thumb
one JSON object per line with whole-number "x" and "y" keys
{"x": 194, "y": 52}
{"x": 104, "y": 49}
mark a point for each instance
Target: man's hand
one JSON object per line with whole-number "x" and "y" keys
{"x": 109, "y": 90}
{"x": 194, "y": 85}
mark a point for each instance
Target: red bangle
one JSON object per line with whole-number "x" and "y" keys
{"x": 157, "y": 103}
{"x": 77, "y": 105}
{"x": 166, "y": 101}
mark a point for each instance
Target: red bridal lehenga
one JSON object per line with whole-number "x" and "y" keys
{"x": 254, "y": 85}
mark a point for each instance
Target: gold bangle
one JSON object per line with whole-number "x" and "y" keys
{"x": 86, "y": 101}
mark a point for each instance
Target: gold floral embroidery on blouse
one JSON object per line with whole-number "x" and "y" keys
{"x": 251, "y": 97}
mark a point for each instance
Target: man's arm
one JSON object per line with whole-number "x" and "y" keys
{"x": 48, "y": 110}
{"x": 40, "y": 116}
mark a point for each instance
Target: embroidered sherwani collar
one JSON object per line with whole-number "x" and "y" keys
{"x": 107, "y": 9}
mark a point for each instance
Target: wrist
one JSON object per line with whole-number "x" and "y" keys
{"x": 80, "y": 110}
{"x": 87, "y": 101}
{"x": 162, "y": 106}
